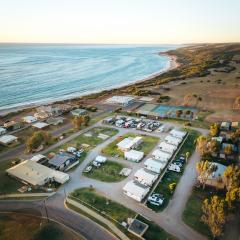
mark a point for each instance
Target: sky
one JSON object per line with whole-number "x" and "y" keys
{"x": 120, "y": 21}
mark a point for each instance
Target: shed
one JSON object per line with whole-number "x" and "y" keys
{"x": 133, "y": 155}
{"x": 135, "y": 190}
{"x": 225, "y": 126}
{"x": 145, "y": 177}
{"x": 40, "y": 125}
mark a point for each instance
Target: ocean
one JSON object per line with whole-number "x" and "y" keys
{"x": 41, "y": 73}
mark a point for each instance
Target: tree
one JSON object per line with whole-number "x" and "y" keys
{"x": 232, "y": 197}
{"x": 172, "y": 186}
{"x": 228, "y": 149}
{"x": 187, "y": 155}
{"x": 86, "y": 119}
{"x": 204, "y": 169}
{"x": 214, "y": 215}
{"x": 37, "y": 139}
{"x": 202, "y": 145}
{"x": 179, "y": 113}
{"x": 232, "y": 177}
{"x": 77, "y": 122}
{"x": 214, "y": 129}
{"x": 213, "y": 146}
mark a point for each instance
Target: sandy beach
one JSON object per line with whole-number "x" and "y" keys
{"x": 172, "y": 65}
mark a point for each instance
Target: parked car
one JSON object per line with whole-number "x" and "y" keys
{"x": 178, "y": 163}
{"x": 96, "y": 164}
{"x": 88, "y": 169}
{"x": 71, "y": 149}
{"x": 156, "y": 199}
{"x": 174, "y": 167}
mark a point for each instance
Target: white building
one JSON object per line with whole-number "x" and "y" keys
{"x": 2, "y": 131}
{"x": 135, "y": 190}
{"x": 145, "y": 177}
{"x": 133, "y": 155}
{"x": 29, "y": 119}
{"x": 177, "y": 133}
{"x": 40, "y": 125}
{"x": 160, "y": 155}
{"x": 129, "y": 143}
{"x": 7, "y": 139}
{"x": 36, "y": 174}
{"x": 153, "y": 165}
{"x": 120, "y": 100}
{"x": 169, "y": 148}
{"x": 173, "y": 140}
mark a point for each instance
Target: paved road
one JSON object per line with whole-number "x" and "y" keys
{"x": 169, "y": 219}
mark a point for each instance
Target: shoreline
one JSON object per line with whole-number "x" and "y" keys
{"x": 173, "y": 64}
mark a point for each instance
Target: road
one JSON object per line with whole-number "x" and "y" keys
{"x": 169, "y": 219}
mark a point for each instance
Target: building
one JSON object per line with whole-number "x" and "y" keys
{"x": 129, "y": 143}
{"x": 214, "y": 177}
{"x": 225, "y": 126}
{"x": 40, "y": 125}
{"x": 12, "y": 125}
{"x": 123, "y": 101}
{"x": 169, "y": 148}
{"x": 2, "y": 131}
{"x": 173, "y": 140}
{"x": 135, "y": 190}
{"x": 160, "y": 155}
{"x": 145, "y": 177}
{"x": 35, "y": 174}
{"x": 133, "y": 155}
{"x": 7, "y": 139}
{"x": 137, "y": 227}
{"x": 29, "y": 119}
{"x": 47, "y": 111}
{"x": 78, "y": 112}
{"x": 63, "y": 161}
{"x": 177, "y": 133}
{"x": 153, "y": 165}
{"x": 55, "y": 121}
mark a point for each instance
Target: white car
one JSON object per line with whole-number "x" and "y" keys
{"x": 88, "y": 169}
{"x": 96, "y": 164}
{"x": 174, "y": 168}
{"x": 71, "y": 149}
{"x": 156, "y": 199}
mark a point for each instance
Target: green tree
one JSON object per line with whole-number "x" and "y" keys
{"x": 214, "y": 215}
{"x": 77, "y": 122}
{"x": 86, "y": 119}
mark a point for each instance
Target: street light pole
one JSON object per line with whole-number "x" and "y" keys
{"x": 45, "y": 206}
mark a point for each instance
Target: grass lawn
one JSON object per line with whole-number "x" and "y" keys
{"x": 7, "y": 184}
{"x": 108, "y": 172}
{"x": 193, "y": 211}
{"x": 154, "y": 232}
{"x": 92, "y": 140}
{"x": 174, "y": 177}
{"x": 146, "y": 146}
{"x": 118, "y": 212}
{"x": 32, "y": 228}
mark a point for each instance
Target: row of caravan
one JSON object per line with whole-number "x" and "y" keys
{"x": 145, "y": 177}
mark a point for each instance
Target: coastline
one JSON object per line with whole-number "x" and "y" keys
{"x": 173, "y": 64}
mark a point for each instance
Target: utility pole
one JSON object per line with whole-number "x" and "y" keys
{"x": 45, "y": 206}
